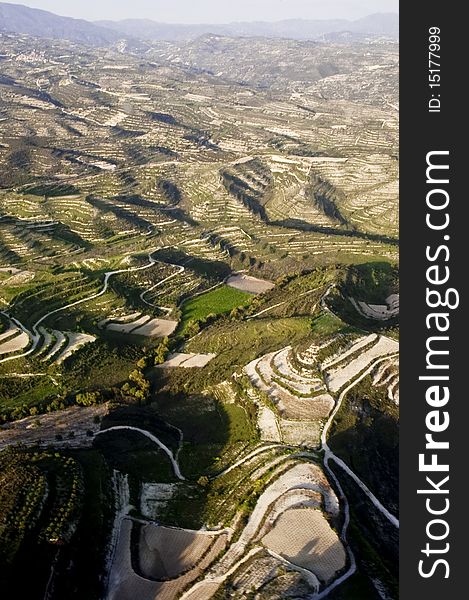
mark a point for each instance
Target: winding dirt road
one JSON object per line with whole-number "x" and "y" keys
{"x": 180, "y": 269}
{"x": 329, "y": 455}
{"x": 154, "y": 439}
{"x": 35, "y": 335}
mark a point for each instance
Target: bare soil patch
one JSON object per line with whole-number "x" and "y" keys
{"x": 246, "y": 283}
{"x": 303, "y": 536}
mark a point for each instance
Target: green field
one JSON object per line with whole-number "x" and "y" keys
{"x": 218, "y": 301}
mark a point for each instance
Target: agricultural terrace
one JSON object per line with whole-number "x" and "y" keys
{"x": 195, "y": 265}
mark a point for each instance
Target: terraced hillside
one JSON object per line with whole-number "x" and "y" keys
{"x": 199, "y": 319}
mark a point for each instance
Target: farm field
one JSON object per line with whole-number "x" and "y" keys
{"x": 246, "y": 283}
{"x": 199, "y": 317}
{"x": 219, "y": 301}
{"x": 305, "y": 536}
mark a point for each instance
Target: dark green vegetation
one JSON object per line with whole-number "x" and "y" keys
{"x": 56, "y": 508}
{"x": 20, "y": 395}
{"x": 145, "y": 417}
{"x": 100, "y": 365}
{"x": 373, "y": 539}
{"x": 213, "y": 270}
{"x": 131, "y": 453}
{"x": 250, "y": 183}
{"x": 356, "y": 587}
{"x": 325, "y": 197}
{"x": 365, "y": 434}
{"x": 102, "y": 368}
{"x": 78, "y": 572}
{"x": 371, "y": 283}
{"x": 51, "y": 190}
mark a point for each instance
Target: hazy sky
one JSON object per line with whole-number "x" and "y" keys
{"x": 213, "y": 11}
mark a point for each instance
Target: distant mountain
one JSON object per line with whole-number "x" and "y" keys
{"x": 16, "y": 18}
{"x": 386, "y": 24}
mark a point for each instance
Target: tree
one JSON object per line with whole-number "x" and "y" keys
{"x": 87, "y": 398}
{"x": 139, "y": 387}
{"x": 234, "y": 314}
{"x": 162, "y": 351}
{"x": 137, "y": 377}
{"x": 142, "y": 363}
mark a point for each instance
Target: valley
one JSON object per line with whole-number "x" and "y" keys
{"x": 199, "y": 300}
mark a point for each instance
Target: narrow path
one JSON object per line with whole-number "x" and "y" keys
{"x": 180, "y": 269}
{"x": 322, "y": 302}
{"x": 309, "y": 575}
{"x": 181, "y": 439}
{"x": 329, "y": 455}
{"x": 266, "y": 310}
{"x": 154, "y": 439}
{"x": 35, "y": 335}
{"x": 24, "y": 375}
{"x": 251, "y": 454}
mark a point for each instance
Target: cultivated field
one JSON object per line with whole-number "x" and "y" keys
{"x": 199, "y": 316}
{"x": 305, "y": 537}
{"x": 166, "y": 553}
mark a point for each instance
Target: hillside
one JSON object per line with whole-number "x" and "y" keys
{"x": 17, "y": 18}
{"x": 298, "y": 29}
{"x": 199, "y": 378}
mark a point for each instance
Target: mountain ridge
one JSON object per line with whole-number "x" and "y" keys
{"x": 302, "y": 29}
{"x": 21, "y": 19}
{"x": 18, "y": 18}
